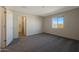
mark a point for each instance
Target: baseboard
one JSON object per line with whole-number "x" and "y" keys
{"x": 34, "y": 34}
{"x": 11, "y": 42}
{"x": 60, "y": 36}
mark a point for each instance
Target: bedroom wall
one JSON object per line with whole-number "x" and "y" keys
{"x": 71, "y": 24}
{"x": 33, "y": 24}
{"x": 15, "y": 26}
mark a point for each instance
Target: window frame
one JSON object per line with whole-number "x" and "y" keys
{"x": 57, "y": 22}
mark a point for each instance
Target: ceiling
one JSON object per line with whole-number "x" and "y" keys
{"x": 41, "y": 10}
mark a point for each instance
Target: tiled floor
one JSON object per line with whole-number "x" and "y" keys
{"x": 43, "y": 43}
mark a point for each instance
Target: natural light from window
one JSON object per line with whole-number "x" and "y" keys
{"x": 58, "y": 22}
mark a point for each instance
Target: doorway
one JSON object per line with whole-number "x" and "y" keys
{"x": 22, "y": 26}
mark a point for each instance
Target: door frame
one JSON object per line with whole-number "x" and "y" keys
{"x": 25, "y": 31}
{"x": 3, "y": 28}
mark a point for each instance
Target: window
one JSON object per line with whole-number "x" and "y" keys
{"x": 58, "y": 22}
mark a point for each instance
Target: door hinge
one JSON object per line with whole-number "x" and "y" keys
{"x": 5, "y": 12}
{"x": 5, "y": 40}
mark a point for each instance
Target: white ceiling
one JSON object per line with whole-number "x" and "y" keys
{"x": 41, "y": 10}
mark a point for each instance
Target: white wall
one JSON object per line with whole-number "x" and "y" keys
{"x": 33, "y": 24}
{"x": 15, "y": 26}
{"x": 9, "y": 27}
{"x": 71, "y": 24}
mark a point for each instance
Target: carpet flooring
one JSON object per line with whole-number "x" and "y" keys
{"x": 43, "y": 43}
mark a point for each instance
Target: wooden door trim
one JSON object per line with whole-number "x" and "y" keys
{"x": 5, "y": 28}
{"x": 3, "y": 22}
{"x": 24, "y": 25}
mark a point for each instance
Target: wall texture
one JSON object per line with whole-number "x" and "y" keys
{"x": 71, "y": 24}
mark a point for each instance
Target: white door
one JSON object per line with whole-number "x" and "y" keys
{"x": 9, "y": 27}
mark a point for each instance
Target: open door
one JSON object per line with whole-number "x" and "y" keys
{"x": 22, "y": 26}
{"x": 9, "y": 27}
{"x": 6, "y": 27}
